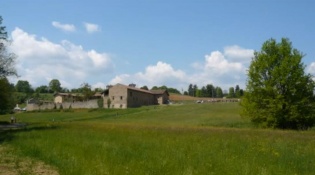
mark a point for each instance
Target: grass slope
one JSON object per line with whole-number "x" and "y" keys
{"x": 176, "y": 139}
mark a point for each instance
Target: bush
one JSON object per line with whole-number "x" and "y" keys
{"x": 100, "y": 103}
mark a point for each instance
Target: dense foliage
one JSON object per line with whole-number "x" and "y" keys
{"x": 213, "y": 91}
{"x": 23, "y": 86}
{"x": 86, "y": 91}
{"x": 6, "y": 101}
{"x": 55, "y": 85}
{"x": 7, "y": 59}
{"x": 7, "y": 68}
{"x": 169, "y": 89}
{"x": 279, "y": 94}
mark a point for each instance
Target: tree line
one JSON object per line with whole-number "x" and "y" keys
{"x": 213, "y": 91}
{"x": 169, "y": 89}
{"x": 53, "y": 87}
{"x": 23, "y": 90}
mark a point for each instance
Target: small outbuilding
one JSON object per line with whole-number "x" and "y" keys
{"x": 65, "y": 97}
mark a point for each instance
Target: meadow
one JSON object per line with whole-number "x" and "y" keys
{"x": 175, "y": 139}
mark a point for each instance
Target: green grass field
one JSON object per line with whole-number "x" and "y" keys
{"x": 175, "y": 139}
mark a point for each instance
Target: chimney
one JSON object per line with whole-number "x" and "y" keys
{"x": 132, "y": 85}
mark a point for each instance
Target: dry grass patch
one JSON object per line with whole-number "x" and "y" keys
{"x": 11, "y": 164}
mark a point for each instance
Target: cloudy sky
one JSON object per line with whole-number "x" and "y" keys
{"x": 151, "y": 42}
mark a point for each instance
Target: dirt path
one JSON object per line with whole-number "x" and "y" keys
{"x": 12, "y": 126}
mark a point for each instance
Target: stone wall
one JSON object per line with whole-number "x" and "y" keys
{"x": 66, "y": 105}
{"x": 33, "y": 106}
{"x": 138, "y": 98}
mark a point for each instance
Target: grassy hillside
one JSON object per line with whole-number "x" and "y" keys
{"x": 179, "y": 97}
{"x": 174, "y": 139}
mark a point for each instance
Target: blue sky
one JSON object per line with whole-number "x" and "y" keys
{"x": 151, "y": 42}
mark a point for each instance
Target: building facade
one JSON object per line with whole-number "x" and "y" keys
{"x": 65, "y": 97}
{"x": 122, "y": 96}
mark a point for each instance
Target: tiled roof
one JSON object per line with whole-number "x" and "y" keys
{"x": 154, "y": 92}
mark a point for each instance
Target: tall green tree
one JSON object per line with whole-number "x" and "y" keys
{"x": 42, "y": 89}
{"x": 231, "y": 92}
{"x": 6, "y": 102}
{"x": 23, "y": 86}
{"x": 144, "y": 87}
{"x": 87, "y": 91}
{"x": 190, "y": 90}
{"x": 279, "y": 94}
{"x": 204, "y": 92}
{"x": 210, "y": 90}
{"x": 7, "y": 59}
{"x": 219, "y": 92}
{"x": 173, "y": 90}
{"x": 169, "y": 89}
{"x": 198, "y": 93}
{"x": 237, "y": 91}
{"x": 195, "y": 88}
{"x": 55, "y": 85}
{"x": 7, "y": 62}
{"x": 154, "y": 88}
{"x": 99, "y": 89}
{"x": 241, "y": 92}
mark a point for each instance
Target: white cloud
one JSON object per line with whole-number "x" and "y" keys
{"x": 124, "y": 79}
{"x": 27, "y": 45}
{"x": 161, "y": 72}
{"x": 154, "y": 75}
{"x": 311, "y": 68}
{"x": 91, "y": 28}
{"x": 218, "y": 64}
{"x": 99, "y": 60}
{"x": 64, "y": 27}
{"x": 236, "y": 53}
{"x": 40, "y": 60}
{"x": 225, "y": 69}
{"x": 99, "y": 85}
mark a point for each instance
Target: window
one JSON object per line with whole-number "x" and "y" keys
{"x": 113, "y": 98}
{"x": 130, "y": 94}
{"x": 121, "y": 97}
{"x": 121, "y": 105}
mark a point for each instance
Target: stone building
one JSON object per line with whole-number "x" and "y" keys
{"x": 65, "y": 97}
{"x": 122, "y": 96}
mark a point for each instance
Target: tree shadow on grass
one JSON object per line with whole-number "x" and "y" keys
{"x": 8, "y": 131}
